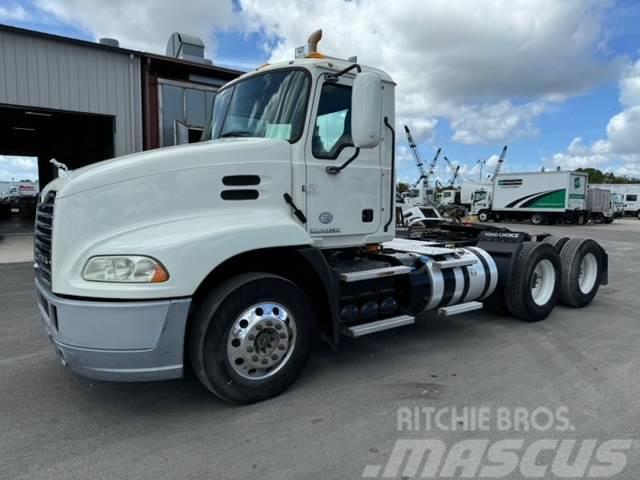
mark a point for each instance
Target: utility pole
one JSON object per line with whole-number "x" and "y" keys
{"x": 482, "y": 164}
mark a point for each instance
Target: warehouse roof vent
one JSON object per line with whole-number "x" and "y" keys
{"x": 186, "y": 47}
{"x": 111, "y": 42}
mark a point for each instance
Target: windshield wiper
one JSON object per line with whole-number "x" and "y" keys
{"x": 236, "y": 133}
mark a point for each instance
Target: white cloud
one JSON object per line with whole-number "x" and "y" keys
{"x": 487, "y": 67}
{"x": 455, "y": 60}
{"x": 13, "y": 13}
{"x": 144, "y": 24}
{"x": 620, "y": 150}
{"x": 630, "y": 85}
{"x": 18, "y": 168}
{"x": 495, "y": 122}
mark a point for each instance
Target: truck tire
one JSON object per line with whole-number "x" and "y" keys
{"x": 556, "y": 242}
{"x": 538, "y": 219}
{"x": 581, "y": 260}
{"x": 484, "y": 216}
{"x": 535, "y": 282}
{"x": 251, "y": 337}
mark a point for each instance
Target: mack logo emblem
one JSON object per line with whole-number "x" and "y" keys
{"x": 325, "y": 217}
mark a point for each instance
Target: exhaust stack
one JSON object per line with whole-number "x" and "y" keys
{"x": 312, "y": 43}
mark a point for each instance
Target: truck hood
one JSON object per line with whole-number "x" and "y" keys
{"x": 170, "y": 159}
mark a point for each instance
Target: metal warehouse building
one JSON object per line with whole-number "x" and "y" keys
{"x": 81, "y": 102}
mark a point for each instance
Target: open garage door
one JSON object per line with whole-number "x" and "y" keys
{"x": 34, "y": 136}
{"x": 76, "y": 139}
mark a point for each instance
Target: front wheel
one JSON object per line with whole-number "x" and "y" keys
{"x": 483, "y": 216}
{"x": 251, "y": 337}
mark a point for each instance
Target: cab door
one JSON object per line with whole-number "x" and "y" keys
{"x": 348, "y": 203}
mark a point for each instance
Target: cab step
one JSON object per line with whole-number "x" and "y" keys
{"x": 378, "y": 326}
{"x": 460, "y": 308}
{"x": 374, "y": 273}
{"x": 455, "y": 262}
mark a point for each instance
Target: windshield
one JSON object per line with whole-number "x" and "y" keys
{"x": 480, "y": 195}
{"x": 269, "y": 105}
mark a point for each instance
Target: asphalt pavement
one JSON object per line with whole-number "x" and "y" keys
{"x": 342, "y": 414}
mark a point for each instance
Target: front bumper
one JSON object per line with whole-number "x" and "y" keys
{"x": 116, "y": 340}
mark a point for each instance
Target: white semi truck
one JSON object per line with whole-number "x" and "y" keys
{"x": 233, "y": 254}
{"x": 542, "y": 197}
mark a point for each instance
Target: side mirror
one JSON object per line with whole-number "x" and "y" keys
{"x": 366, "y": 110}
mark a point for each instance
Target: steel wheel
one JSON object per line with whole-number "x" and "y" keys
{"x": 537, "y": 219}
{"x": 261, "y": 341}
{"x": 543, "y": 282}
{"x": 588, "y": 273}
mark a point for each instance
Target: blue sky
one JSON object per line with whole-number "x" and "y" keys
{"x": 535, "y": 77}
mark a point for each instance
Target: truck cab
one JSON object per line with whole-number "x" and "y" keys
{"x": 232, "y": 254}
{"x": 480, "y": 200}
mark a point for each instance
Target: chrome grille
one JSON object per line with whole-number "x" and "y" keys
{"x": 43, "y": 235}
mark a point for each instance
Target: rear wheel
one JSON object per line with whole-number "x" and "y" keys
{"x": 582, "y": 265}
{"x": 556, "y": 242}
{"x": 251, "y": 337}
{"x": 538, "y": 218}
{"x": 535, "y": 282}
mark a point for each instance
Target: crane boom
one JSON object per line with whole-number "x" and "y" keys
{"x": 432, "y": 167}
{"x": 424, "y": 174}
{"x": 455, "y": 169}
{"x": 503, "y": 154}
{"x": 414, "y": 148}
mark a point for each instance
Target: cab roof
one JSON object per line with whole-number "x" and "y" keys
{"x": 325, "y": 63}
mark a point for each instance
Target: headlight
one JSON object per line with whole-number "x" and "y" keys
{"x": 125, "y": 269}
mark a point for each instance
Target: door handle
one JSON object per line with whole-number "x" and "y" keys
{"x": 336, "y": 170}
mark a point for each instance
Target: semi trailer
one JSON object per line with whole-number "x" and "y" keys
{"x": 541, "y": 197}
{"x": 230, "y": 256}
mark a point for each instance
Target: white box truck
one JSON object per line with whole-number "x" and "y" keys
{"x": 234, "y": 253}
{"x": 542, "y": 197}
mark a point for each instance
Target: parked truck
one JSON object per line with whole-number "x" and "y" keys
{"x": 23, "y": 197}
{"x": 231, "y": 255}
{"x": 541, "y": 197}
{"x": 603, "y": 206}
{"x": 628, "y": 194}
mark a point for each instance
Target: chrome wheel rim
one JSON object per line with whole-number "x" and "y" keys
{"x": 543, "y": 282}
{"x": 261, "y": 341}
{"x": 588, "y": 273}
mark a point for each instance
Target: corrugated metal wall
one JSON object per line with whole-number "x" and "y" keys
{"x": 47, "y": 73}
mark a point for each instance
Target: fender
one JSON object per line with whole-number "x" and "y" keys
{"x": 189, "y": 248}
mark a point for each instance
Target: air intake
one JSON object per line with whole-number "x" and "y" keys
{"x": 186, "y": 47}
{"x": 110, "y": 42}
